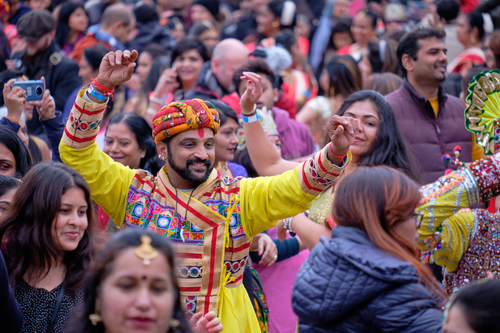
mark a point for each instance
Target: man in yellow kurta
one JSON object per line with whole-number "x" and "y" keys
{"x": 210, "y": 220}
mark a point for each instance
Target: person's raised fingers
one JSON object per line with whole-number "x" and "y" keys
{"x": 252, "y": 76}
{"x": 217, "y": 328}
{"x": 8, "y": 85}
{"x": 133, "y": 55}
{"x": 355, "y": 124}
{"x": 339, "y": 131}
{"x": 110, "y": 57}
{"x": 118, "y": 57}
{"x": 18, "y": 91}
{"x": 194, "y": 319}
{"x": 211, "y": 315}
{"x": 340, "y": 120}
{"x": 213, "y": 322}
{"x": 349, "y": 128}
{"x": 46, "y": 96}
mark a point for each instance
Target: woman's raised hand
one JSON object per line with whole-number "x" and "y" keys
{"x": 252, "y": 92}
{"x": 342, "y": 131}
{"x": 167, "y": 82}
{"x": 116, "y": 68}
{"x": 208, "y": 323}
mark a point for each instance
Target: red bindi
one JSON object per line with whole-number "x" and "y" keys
{"x": 144, "y": 277}
{"x": 201, "y": 133}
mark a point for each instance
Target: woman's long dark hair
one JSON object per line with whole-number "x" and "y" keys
{"x": 187, "y": 44}
{"x": 389, "y": 63}
{"x": 142, "y": 132}
{"x": 13, "y": 143}
{"x": 375, "y": 200}
{"x": 63, "y": 29}
{"x": 103, "y": 267}
{"x": 94, "y": 55}
{"x": 476, "y": 20}
{"x": 389, "y": 147}
{"x": 26, "y": 229}
{"x": 344, "y": 76}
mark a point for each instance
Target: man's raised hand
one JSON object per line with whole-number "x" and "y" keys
{"x": 116, "y": 68}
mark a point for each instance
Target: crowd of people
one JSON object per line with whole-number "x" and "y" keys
{"x": 249, "y": 166}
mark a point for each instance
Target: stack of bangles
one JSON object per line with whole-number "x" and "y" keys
{"x": 98, "y": 91}
{"x": 287, "y": 224}
{"x": 342, "y": 158}
{"x": 250, "y": 117}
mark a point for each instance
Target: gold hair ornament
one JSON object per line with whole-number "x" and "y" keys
{"x": 145, "y": 251}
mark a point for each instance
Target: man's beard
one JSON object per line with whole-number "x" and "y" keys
{"x": 188, "y": 175}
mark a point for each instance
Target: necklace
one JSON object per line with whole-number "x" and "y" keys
{"x": 185, "y": 215}
{"x": 222, "y": 165}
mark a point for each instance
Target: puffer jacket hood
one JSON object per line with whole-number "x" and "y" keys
{"x": 346, "y": 283}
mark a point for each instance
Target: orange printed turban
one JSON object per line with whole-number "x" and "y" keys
{"x": 178, "y": 117}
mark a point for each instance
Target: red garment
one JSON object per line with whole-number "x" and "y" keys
{"x": 288, "y": 104}
{"x": 233, "y": 100}
{"x": 304, "y": 45}
{"x": 102, "y": 219}
{"x": 346, "y": 50}
{"x": 491, "y": 206}
{"x": 88, "y": 41}
{"x": 467, "y": 6}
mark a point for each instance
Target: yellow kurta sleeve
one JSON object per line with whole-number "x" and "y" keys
{"x": 265, "y": 200}
{"x": 447, "y": 227}
{"x": 108, "y": 180}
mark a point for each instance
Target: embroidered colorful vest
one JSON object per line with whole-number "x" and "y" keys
{"x": 482, "y": 255}
{"x": 205, "y": 229}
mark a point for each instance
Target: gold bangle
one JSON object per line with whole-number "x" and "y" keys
{"x": 251, "y": 113}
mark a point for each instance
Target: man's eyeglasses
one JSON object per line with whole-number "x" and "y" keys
{"x": 418, "y": 218}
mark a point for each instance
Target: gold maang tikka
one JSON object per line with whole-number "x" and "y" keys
{"x": 145, "y": 251}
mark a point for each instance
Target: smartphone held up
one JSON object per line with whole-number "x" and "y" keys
{"x": 34, "y": 89}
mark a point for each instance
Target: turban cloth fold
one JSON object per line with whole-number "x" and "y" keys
{"x": 178, "y": 117}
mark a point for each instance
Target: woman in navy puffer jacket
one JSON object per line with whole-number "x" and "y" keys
{"x": 368, "y": 278}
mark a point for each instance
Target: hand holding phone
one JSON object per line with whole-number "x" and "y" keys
{"x": 34, "y": 89}
{"x": 14, "y": 98}
{"x": 168, "y": 82}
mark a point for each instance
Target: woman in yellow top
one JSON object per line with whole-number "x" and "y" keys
{"x": 210, "y": 220}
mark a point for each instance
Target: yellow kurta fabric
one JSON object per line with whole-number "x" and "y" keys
{"x": 263, "y": 201}
{"x": 465, "y": 242}
{"x": 441, "y": 204}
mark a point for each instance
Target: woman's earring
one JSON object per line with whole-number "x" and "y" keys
{"x": 161, "y": 157}
{"x": 95, "y": 317}
{"x": 275, "y": 24}
{"x": 174, "y": 323}
{"x": 142, "y": 156}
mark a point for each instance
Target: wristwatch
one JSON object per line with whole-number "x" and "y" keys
{"x": 287, "y": 224}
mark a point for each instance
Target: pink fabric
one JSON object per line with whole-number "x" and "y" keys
{"x": 277, "y": 281}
